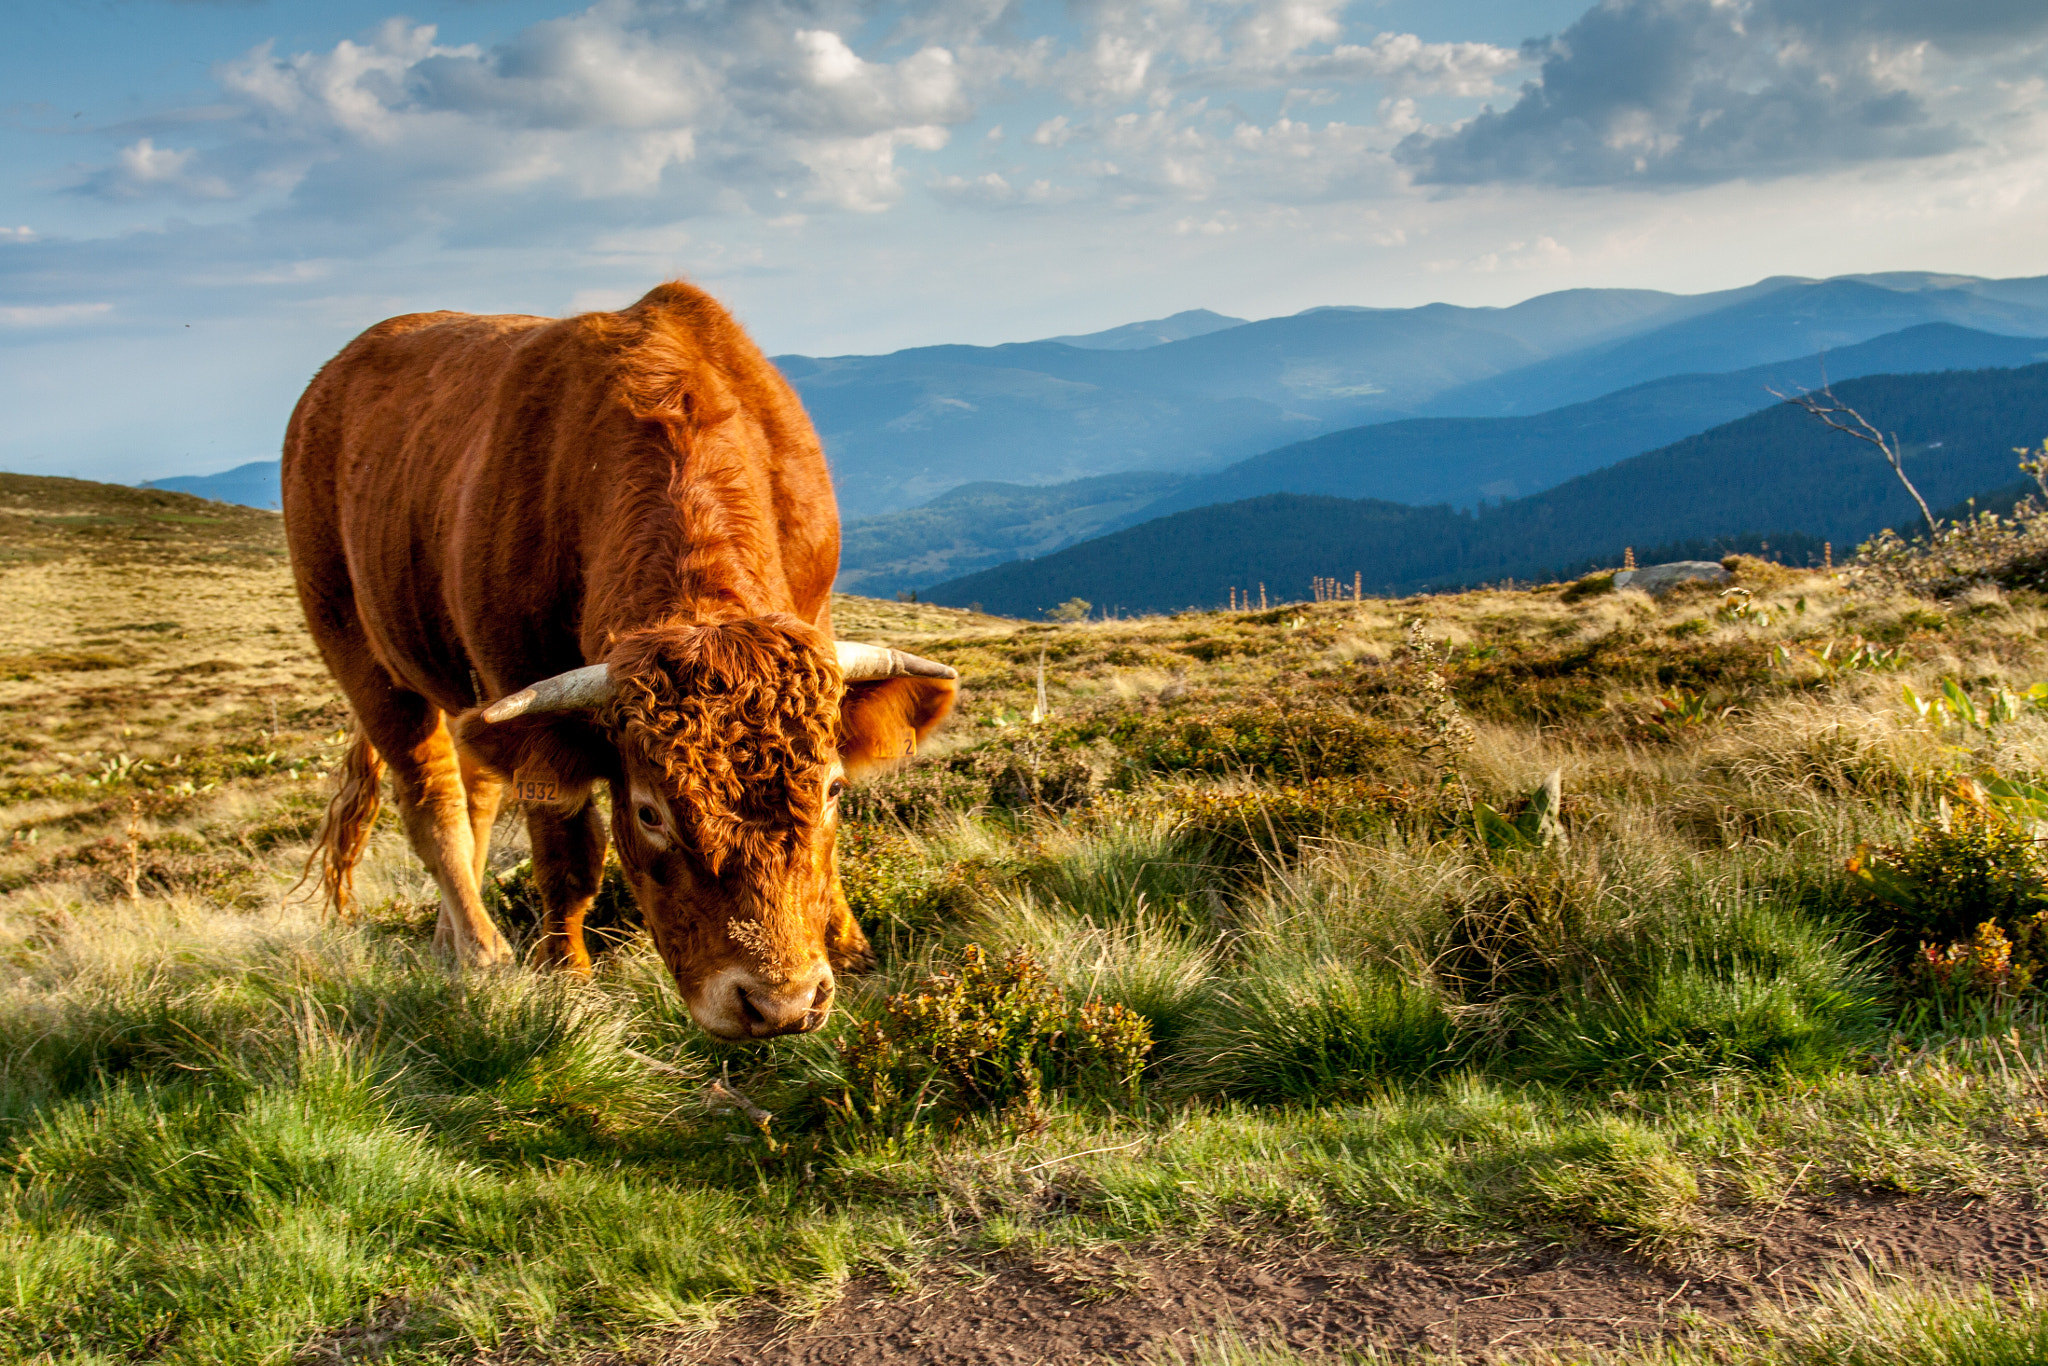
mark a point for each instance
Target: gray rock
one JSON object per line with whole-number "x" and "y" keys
{"x": 1658, "y": 579}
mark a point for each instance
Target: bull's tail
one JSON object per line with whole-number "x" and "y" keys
{"x": 345, "y": 830}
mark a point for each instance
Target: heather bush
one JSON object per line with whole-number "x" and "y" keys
{"x": 987, "y": 1040}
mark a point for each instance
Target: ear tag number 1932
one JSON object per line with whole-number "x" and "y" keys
{"x": 526, "y": 788}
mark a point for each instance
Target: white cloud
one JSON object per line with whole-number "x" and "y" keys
{"x": 613, "y": 102}
{"x": 24, "y": 233}
{"x": 50, "y": 315}
{"x": 1054, "y": 132}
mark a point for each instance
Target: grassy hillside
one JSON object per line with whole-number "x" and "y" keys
{"x": 1776, "y": 476}
{"x": 1256, "y": 946}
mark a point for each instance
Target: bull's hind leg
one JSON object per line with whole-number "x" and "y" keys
{"x": 441, "y": 818}
{"x": 568, "y": 866}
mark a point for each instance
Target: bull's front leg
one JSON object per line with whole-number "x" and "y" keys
{"x": 568, "y": 868}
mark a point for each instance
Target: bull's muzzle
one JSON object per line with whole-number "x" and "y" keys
{"x": 740, "y": 1003}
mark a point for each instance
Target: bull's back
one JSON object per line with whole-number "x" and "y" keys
{"x": 375, "y": 460}
{"x": 492, "y": 497}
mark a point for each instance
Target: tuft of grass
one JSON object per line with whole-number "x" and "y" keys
{"x": 1714, "y": 988}
{"x": 1305, "y": 1028}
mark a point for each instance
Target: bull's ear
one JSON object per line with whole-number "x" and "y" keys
{"x": 882, "y": 722}
{"x": 547, "y": 757}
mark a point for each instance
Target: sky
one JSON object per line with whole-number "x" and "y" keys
{"x": 202, "y": 201}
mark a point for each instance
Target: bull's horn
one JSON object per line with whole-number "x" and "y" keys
{"x": 863, "y": 662}
{"x": 584, "y": 689}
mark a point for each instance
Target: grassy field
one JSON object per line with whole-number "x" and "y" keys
{"x": 1264, "y": 926}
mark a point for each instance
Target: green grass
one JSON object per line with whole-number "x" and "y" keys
{"x": 229, "y": 1132}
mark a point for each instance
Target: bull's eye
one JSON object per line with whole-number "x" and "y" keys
{"x": 834, "y": 788}
{"x": 649, "y": 818}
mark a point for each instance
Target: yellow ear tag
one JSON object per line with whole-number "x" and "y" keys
{"x": 533, "y": 785}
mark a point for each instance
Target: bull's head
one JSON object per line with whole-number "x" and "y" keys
{"x": 726, "y": 746}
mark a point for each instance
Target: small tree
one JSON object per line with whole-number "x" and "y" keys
{"x": 1831, "y": 410}
{"x": 1073, "y": 609}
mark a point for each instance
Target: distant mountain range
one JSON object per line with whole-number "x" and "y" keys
{"x": 1096, "y": 432}
{"x": 905, "y": 427}
{"x": 979, "y": 525}
{"x": 1459, "y": 461}
{"x": 1194, "y": 322}
{"x": 1464, "y": 460}
{"x": 1774, "y": 476}
{"x": 255, "y": 485}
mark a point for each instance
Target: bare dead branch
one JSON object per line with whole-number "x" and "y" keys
{"x": 720, "y": 1091}
{"x": 1832, "y": 412}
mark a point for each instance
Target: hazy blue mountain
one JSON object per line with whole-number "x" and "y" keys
{"x": 1798, "y": 320}
{"x": 1464, "y": 460}
{"x": 1193, "y": 322}
{"x": 252, "y": 485}
{"x": 905, "y": 427}
{"x": 1776, "y": 475}
{"x": 978, "y": 525}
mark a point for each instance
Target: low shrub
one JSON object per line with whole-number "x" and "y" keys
{"x": 987, "y": 1040}
{"x": 892, "y": 882}
{"x": 917, "y": 794}
{"x": 1591, "y": 586}
{"x": 1267, "y": 741}
{"x": 2010, "y": 551}
{"x": 1273, "y": 743}
{"x": 1527, "y": 680}
{"x": 1967, "y": 866}
{"x": 1144, "y": 960}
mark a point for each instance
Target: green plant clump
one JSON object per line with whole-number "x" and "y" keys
{"x": 988, "y": 1040}
{"x": 1964, "y": 903}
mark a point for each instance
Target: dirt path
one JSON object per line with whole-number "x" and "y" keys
{"x": 1116, "y": 1305}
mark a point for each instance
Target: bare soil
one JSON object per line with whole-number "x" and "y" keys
{"x": 1121, "y": 1305}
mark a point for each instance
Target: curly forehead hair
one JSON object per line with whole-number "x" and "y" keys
{"x": 739, "y": 716}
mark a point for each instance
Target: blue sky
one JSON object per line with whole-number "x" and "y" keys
{"x": 200, "y": 202}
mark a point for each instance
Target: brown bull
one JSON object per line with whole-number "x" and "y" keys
{"x": 620, "y": 527}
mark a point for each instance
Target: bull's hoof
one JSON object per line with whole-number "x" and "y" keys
{"x": 489, "y": 953}
{"x": 855, "y": 957}
{"x": 559, "y": 955}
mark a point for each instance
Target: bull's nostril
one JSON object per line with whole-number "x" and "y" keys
{"x": 749, "y": 1011}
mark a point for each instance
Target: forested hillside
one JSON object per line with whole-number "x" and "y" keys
{"x": 1774, "y": 475}
{"x": 983, "y": 524}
